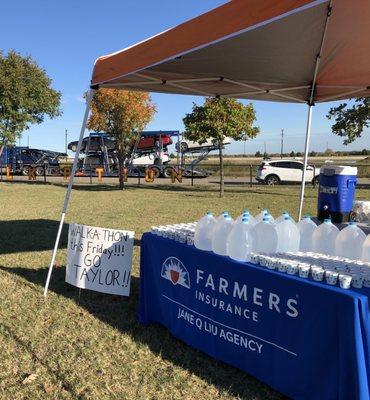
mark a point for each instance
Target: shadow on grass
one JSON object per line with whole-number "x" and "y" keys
{"x": 30, "y": 235}
{"x": 121, "y": 313}
{"x": 18, "y": 236}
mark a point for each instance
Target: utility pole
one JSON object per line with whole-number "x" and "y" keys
{"x": 282, "y": 144}
{"x": 66, "y": 133}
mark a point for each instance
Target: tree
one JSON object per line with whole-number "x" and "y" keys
{"x": 26, "y": 96}
{"x": 122, "y": 115}
{"x": 292, "y": 154}
{"x": 258, "y": 154}
{"x": 351, "y": 121}
{"x": 217, "y": 119}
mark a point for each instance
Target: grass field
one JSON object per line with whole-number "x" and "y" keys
{"x": 92, "y": 347}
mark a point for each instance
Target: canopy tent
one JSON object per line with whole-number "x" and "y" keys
{"x": 265, "y": 50}
{"x": 299, "y": 51}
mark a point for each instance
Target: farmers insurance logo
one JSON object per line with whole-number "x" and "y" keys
{"x": 174, "y": 270}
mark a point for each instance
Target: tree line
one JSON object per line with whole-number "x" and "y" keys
{"x": 27, "y": 97}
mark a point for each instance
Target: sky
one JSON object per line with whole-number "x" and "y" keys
{"x": 65, "y": 37}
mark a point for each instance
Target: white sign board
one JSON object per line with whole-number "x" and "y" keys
{"x": 100, "y": 259}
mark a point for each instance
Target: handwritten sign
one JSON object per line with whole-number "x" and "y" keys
{"x": 100, "y": 259}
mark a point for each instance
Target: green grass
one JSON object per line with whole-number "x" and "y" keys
{"x": 92, "y": 347}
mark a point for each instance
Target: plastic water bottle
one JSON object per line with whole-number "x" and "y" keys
{"x": 366, "y": 249}
{"x": 220, "y": 233}
{"x": 265, "y": 237}
{"x": 349, "y": 242}
{"x": 281, "y": 218}
{"x": 203, "y": 232}
{"x": 240, "y": 241}
{"x": 288, "y": 235}
{"x": 323, "y": 238}
{"x": 246, "y": 214}
{"x": 306, "y": 227}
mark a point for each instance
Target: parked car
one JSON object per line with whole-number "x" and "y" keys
{"x": 274, "y": 172}
{"x": 149, "y": 142}
{"x": 150, "y": 158}
{"x": 98, "y": 140}
{"x": 188, "y": 145}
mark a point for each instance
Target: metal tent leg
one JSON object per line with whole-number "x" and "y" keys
{"x": 69, "y": 190}
{"x": 306, "y": 146}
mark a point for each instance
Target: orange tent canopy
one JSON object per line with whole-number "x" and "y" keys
{"x": 286, "y": 50}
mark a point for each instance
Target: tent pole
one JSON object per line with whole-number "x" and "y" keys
{"x": 306, "y": 146}
{"x": 69, "y": 190}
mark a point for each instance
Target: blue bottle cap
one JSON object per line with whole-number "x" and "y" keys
{"x": 245, "y": 219}
{"x": 266, "y": 218}
{"x": 352, "y": 223}
{"x": 286, "y": 217}
{"x": 245, "y": 212}
{"x": 209, "y": 213}
{"x": 327, "y": 221}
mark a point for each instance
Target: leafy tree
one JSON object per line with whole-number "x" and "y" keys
{"x": 313, "y": 153}
{"x": 26, "y": 96}
{"x": 122, "y": 115}
{"x": 351, "y": 121}
{"x": 258, "y": 154}
{"x": 292, "y": 154}
{"x": 217, "y": 119}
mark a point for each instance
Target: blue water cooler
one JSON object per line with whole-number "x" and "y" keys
{"x": 337, "y": 185}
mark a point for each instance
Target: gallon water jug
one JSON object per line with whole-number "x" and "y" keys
{"x": 306, "y": 227}
{"x": 281, "y": 218}
{"x": 222, "y": 215}
{"x": 366, "y": 249}
{"x": 259, "y": 217}
{"x": 203, "y": 232}
{"x": 240, "y": 241}
{"x": 246, "y": 214}
{"x": 220, "y": 233}
{"x": 349, "y": 242}
{"x": 288, "y": 235}
{"x": 265, "y": 237}
{"x": 323, "y": 238}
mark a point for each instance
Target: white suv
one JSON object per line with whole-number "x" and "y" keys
{"x": 274, "y": 172}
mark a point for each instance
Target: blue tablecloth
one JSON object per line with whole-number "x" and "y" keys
{"x": 305, "y": 339}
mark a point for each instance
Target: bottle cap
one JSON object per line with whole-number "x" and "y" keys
{"x": 245, "y": 212}
{"x": 286, "y": 217}
{"x": 266, "y": 218}
{"x": 245, "y": 219}
{"x": 209, "y": 213}
{"x": 327, "y": 221}
{"x": 352, "y": 223}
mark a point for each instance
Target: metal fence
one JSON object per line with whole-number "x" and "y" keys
{"x": 188, "y": 175}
